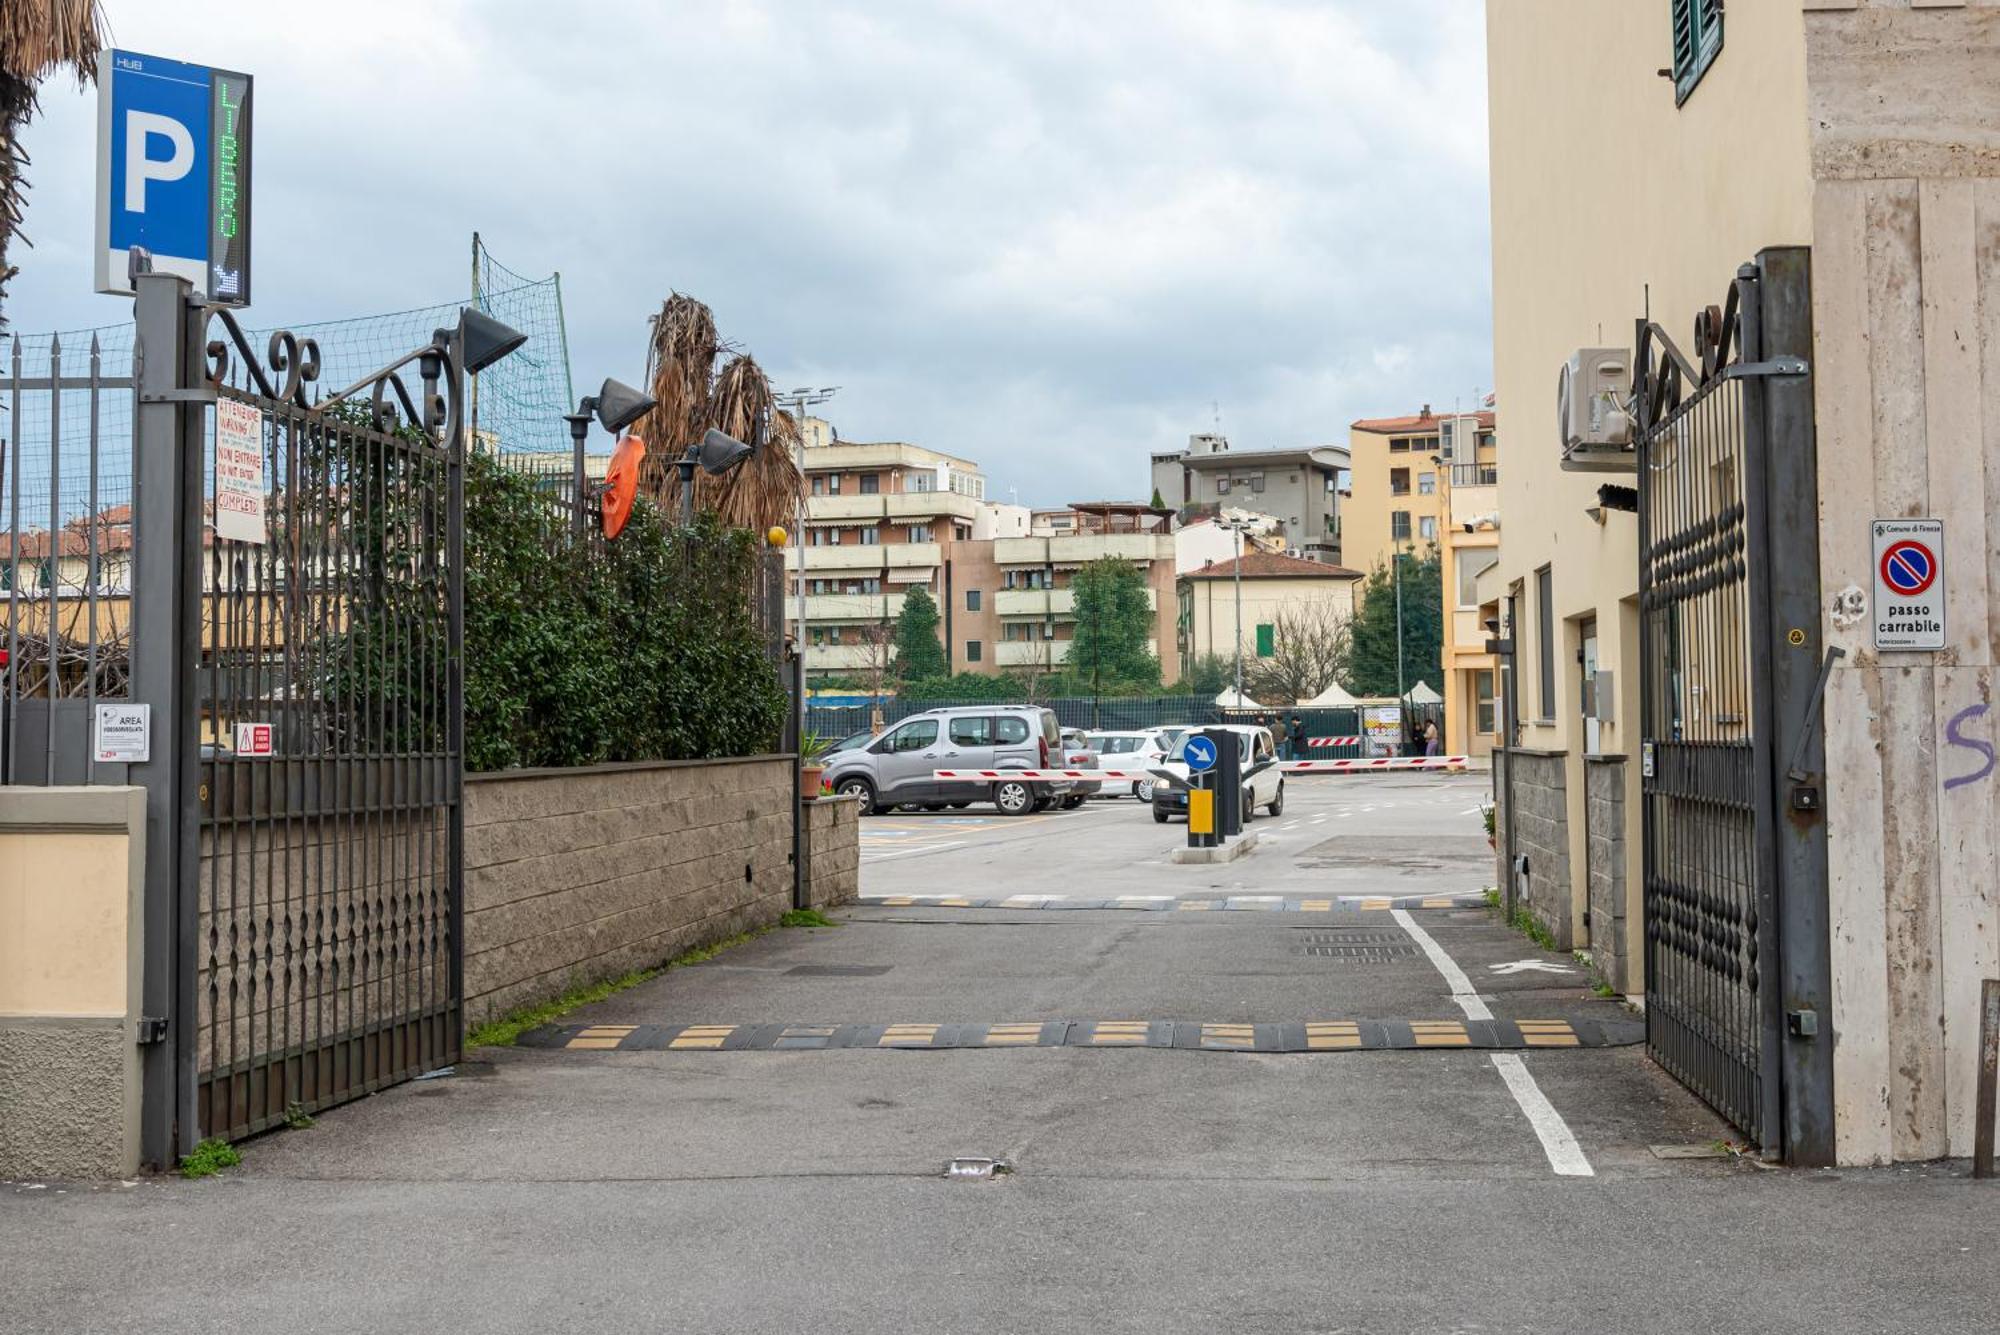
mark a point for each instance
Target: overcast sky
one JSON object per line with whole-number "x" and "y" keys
{"x": 1046, "y": 235}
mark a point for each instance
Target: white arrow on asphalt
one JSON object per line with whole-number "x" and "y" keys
{"x": 1531, "y": 966}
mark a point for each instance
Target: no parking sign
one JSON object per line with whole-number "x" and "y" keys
{"x": 1909, "y": 583}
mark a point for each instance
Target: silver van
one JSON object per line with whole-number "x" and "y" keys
{"x": 895, "y": 769}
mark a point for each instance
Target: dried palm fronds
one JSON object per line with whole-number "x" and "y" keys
{"x": 765, "y": 489}
{"x": 37, "y": 37}
{"x": 680, "y": 367}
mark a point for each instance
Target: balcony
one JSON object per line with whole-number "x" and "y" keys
{"x": 1059, "y": 603}
{"x": 899, "y": 506}
{"x": 852, "y": 608}
{"x": 1475, "y": 475}
{"x": 838, "y": 657}
{"x": 1082, "y": 548}
{"x": 882, "y": 556}
{"x": 1030, "y": 653}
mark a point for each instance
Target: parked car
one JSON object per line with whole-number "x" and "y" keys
{"x": 1140, "y": 749}
{"x": 895, "y": 768}
{"x": 1265, "y": 786}
{"x": 1078, "y": 753}
{"x": 852, "y": 740}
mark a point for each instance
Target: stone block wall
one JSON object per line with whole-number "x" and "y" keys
{"x": 578, "y": 875}
{"x": 1604, "y": 797}
{"x": 1541, "y": 834}
{"x": 833, "y": 851}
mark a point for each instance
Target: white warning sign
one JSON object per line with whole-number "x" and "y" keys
{"x": 1909, "y": 584}
{"x": 239, "y": 472}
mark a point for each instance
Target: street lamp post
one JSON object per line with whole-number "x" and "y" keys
{"x": 799, "y": 400}
{"x": 1238, "y": 527}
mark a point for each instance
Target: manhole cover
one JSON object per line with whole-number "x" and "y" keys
{"x": 839, "y": 970}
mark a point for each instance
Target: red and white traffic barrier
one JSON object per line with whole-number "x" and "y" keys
{"x": 1333, "y": 741}
{"x": 1380, "y": 762}
{"x": 988, "y": 775}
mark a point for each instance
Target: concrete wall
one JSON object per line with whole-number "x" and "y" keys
{"x": 72, "y": 869}
{"x": 1541, "y": 834}
{"x": 579, "y": 875}
{"x": 1905, "y": 116}
{"x": 1611, "y": 907}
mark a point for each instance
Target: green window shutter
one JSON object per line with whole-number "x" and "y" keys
{"x": 1697, "y": 30}
{"x": 1265, "y": 645}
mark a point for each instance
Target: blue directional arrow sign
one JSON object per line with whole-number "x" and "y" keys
{"x": 1200, "y": 753}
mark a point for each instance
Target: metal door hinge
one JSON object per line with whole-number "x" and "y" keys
{"x": 152, "y": 1029}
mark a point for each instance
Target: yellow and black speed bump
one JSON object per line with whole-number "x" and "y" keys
{"x": 1191, "y": 1035}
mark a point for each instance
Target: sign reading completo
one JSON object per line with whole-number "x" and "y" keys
{"x": 239, "y": 472}
{"x": 173, "y": 173}
{"x": 253, "y": 739}
{"x": 124, "y": 733}
{"x": 1909, "y": 583}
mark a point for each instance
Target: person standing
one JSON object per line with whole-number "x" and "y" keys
{"x": 1297, "y": 740}
{"x": 1433, "y": 743}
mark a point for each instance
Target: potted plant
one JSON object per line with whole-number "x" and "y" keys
{"x": 812, "y": 764}
{"x": 1486, "y": 818}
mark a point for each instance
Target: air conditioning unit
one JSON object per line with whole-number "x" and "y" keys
{"x": 1591, "y": 394}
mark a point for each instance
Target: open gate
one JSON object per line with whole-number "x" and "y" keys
{"x": 1733, "y": 852}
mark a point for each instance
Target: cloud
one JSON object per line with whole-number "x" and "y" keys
{"x": 1045, "y": 235}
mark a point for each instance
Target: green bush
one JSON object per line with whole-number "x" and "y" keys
{"x": 642, "y": 648}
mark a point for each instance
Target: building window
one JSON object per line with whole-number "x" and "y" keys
{"x": 1222, "y": 486}
{"x": 871, "y": 536}
{"x": 819, "y": 484}
{"x": 1257, "y": 483}
{"x": 962, "y": 532}
{"x": 1399, "y": 482}
{"x": 1400, "y": 444}
{"x": 833, "y": 484}
{"x": 1545, "y": 639}
{"x": 1266, "y": 640}
{"x": 920, "y": 533}
{"x": 871, "y": 484}
{"x": 1399, "y": 525}
{"x": 1427, "y": 527}
{"x": 1427, "y": 484}
{"x": 1697, "y": 41}
{"x": 1472, "y": 563}
{"x": 1482, "y": 687}
{"x": 972, "y": 651}
{"x": 920, "y": 481}
{"x": 972, "y": 600}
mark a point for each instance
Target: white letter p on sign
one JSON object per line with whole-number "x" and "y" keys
{"x": 141, "y": 127}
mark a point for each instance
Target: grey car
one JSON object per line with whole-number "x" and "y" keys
{"x": 896, "y": 768}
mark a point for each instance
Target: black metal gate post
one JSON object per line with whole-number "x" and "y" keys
{"x": 1781, "y": 421}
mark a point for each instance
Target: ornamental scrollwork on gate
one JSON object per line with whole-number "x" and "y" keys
{"x": 1663, "y": 376}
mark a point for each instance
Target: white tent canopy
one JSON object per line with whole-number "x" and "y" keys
{"x": 1335, "y": 696}
{"x": 1233, "y": 699}
{"x": 1421, "y": 694}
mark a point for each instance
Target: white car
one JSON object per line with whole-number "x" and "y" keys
{"x": 1264, "y": 788}
{"x": 1142, "y": 749}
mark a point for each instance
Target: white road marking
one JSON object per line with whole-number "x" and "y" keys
{"x": 908, "y": 852}
{"x": 1565, "y": 1156}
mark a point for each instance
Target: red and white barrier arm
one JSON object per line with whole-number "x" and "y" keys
{"x": 1379, "y": 763}
{"x": 989, "y": 775}
{"x": 1333, "y": 741}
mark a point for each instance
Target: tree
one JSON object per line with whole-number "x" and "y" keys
{"x": 1374, "y": 630}
{"x": 1208, "y": 676}
{"x": 1113, "y": 626}
{"x": 878, "y": 658}
{"x": 37, "y": 38}
{"x": 919, "y": 652}
{"x": 1312, "y": 646}
{"x": 1159, "y": 502}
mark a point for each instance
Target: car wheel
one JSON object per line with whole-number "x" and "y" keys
{"x": 1044, "y": 802}
{"x": 1013, "y": 797}
{"x": 1143, "y": 790}
{"x": 1159, "y": 816}
{"x": 1249, "y": 806}
{"x": 857, "y": 788}
{"x": 1277, "y": 807}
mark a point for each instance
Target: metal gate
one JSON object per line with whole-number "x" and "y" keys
{"x": 318, "y": 624}
{"x": 1706, "y": 740}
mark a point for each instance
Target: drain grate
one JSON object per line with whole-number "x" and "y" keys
{"x": 839, "y": 970}
{"x": 1359, "y": 937}
{"x": 1360, "y": 954}
{"x": 1360, "y": 945}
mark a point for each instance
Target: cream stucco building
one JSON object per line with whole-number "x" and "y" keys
{"x": 1846, "y": 150}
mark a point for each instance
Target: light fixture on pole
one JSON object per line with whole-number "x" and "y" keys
{"x": 617, "y": 405}
{"x": 716, "y": 453}
{"x": 1397, "y": 557}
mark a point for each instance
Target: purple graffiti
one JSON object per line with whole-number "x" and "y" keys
{"x": 1956, "y": 738}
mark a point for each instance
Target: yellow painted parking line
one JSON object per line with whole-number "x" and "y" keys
{"x": 907, "y": 1035}
{"x": 897, "y": 901}
{"x": 998, "y": 1035}
{"x": 1547, "y": 1033}
{"x": 1439, "y": 903}
{"x": 1228, "y": 1036}
{"x": 601, "y": 1036}
{"x": 1378, "y": 903}
{"x": 954, "y": 903}
{"x": 1315, "y": 906}
{"x": 1440, "y": 1034}
{"x": 1189, "y": 904}
{"x": 707, "y": 1036}
{"x": 1119, "y": 1031}
{"x": 1322, "y": 1035}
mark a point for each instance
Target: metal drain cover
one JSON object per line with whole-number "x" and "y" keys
{"x": 1361, "y": 945}
{"x": 839, "y": 970}
{"x": 1360, "y": 953}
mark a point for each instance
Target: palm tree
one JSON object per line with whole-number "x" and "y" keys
{"x": 37, "y": 38}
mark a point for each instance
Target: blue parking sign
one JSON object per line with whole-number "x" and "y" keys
{"x": 173, "y": 173}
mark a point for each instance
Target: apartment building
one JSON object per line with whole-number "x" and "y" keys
{"x": 883, "y": 518}
{"x": 1469, "y": 548}
{"x": 1238, "y": 602}
{"x": 1033, "y": 603}
{"x": 1300, "y": 489}
{"x": 1401, "y": 470}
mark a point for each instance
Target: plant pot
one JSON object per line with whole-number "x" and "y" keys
{"x": 809, "y": 781}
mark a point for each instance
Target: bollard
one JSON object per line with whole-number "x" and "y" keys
{"x": 1989, "y": 1076}
{"x": 1226, "y": 780}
